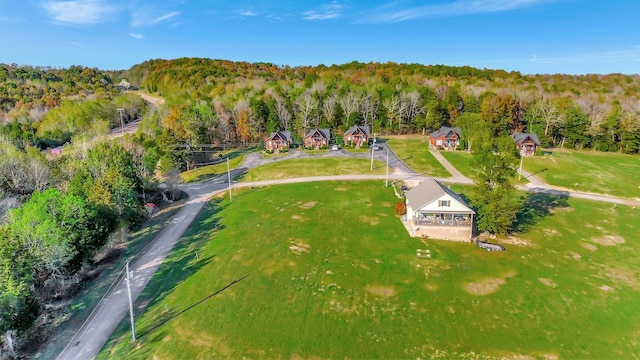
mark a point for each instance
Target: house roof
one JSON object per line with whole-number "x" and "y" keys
{"x": 519, "y": 138}
{"x": 444, "y": 131}
{"x": 429, "y": 191}
{"x": 326, "y": 133}
{"x": 354, "y": 128}
{"x": 284, "y": 135}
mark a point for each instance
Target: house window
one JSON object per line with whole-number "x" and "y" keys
{"x": 444, "y": 203}
{"x": 439, "y": 142}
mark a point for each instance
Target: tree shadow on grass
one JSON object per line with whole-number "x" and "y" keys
{"x": 537, "y": 206}
{"x": 170, "y": 315}
{"x": 186, "y": 258}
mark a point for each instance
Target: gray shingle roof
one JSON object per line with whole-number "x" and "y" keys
{"x": 428, "y": 191}
{"x": 519, "y": 138}
{"x": 444, "y": 131}
{"x": 285, "y": 135}
{"x": 354, "y": 128}
{"x": 326, "y": 133}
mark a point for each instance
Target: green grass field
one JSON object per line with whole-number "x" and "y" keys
{"x": 325, "y": 270}
{"x": 414, "y": 151}
{"x": 589, "y": 171}
{"x": 461, "y": 160}
{"x": 293, "y": 168}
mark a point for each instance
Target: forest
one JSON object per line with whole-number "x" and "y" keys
{"x": 56, "y": 213}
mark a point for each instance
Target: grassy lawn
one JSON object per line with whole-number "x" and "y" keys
{"x": 598, "y": 172}
{"x": 414, "y": 151}
{"x": 325, "y": 270}
{"x": 293, "y": 168}
{"x": 210, "y": 171}
{"x": 461, "y": 160}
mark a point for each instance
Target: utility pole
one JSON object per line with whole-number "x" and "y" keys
{"x": 129, "y": 276}
{"x": 373, "y": 146}
{"x": 229, "y": 176}
{"x": 386, "y": 180}
{"x": 520, "y": 172}
{"x": 120, "y": 111}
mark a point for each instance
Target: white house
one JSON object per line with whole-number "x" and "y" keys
{"x": 435, "y": 211}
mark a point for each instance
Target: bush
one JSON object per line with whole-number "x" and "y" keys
{"x": 400, "y": 209}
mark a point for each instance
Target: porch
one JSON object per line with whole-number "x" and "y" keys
{"x": 442, "y": 219}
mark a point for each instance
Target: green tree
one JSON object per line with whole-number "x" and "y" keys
{"x": 495, "y": 162}
{"x": 471, "y": 126}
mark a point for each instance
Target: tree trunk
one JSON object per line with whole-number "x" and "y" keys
{"x": 9, "y": 340}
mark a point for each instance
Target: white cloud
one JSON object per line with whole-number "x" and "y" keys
{"x": 327, "y": 12}
{"x": 247, "y": 13}
{"x": 142, "y": 17}
{"x": 137, "y": 36}
{"x": 389, "y": 13}
{"x": 79, "y": 12}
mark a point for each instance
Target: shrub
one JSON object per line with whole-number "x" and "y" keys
{"x": 400, "y": 209}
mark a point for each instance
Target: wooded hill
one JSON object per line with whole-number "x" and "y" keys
{"x": 213, "y": 101}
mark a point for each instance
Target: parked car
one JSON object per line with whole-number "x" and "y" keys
{"x": 335, "y": 147}
{"x": 377, "y": 147}
{"x": 489, "y": 246}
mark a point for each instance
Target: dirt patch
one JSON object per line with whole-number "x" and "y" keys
{"x": 297, "y": 217}
{"x": 371, "y": 220}
{"x": 606, "y": 288}
{"x": 386, "y": 204}
{"x": 514, "y": 240}
{"x": 309, "y": 205}
{"x": 299, "y": 247}
{"x": 609, "y": 240}
{"x": 576, "y": 256}
{"x": 342, "y": 188}
{"x": 548, "y": 282}
{"x": 620, "y": 276}
{"x": 384, "y": 291}
{"x": 589, "y": 246}
{"x": 484, "y": 287}
{"x": 430, "y": 287}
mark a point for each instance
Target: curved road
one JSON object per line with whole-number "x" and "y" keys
{"x": 94, "y": 333}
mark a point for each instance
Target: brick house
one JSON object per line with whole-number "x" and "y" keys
{"x": 526, "y": 143}
{"x": 278, "y": 140}
{"x": 357, "y": 135}
{"x": 445, "y": 138}
{"x": 317, "y": 138}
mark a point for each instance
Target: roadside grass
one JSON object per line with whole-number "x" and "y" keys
{"x": 461, "y": 160}
{"x": 209, "y": 171}
{"x": 414, "y": 151}
{"x": 357, "y": 150}
{"x": 589, "y": 171}
{"x": 81, "y": 307}
{"x": 293, "y": 168}
{"x": 325, "y": 270}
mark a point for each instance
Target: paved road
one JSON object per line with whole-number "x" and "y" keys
{"x": 92, "y": 336}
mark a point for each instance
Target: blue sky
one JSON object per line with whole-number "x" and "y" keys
{"x": 530, "y": 36}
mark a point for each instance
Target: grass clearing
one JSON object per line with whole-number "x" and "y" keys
{"x": 235, "y": 155}
{"x": 413, "y": 150}
{"x": 589, "y": 171}
{"x": 461, "y": 160}
{"x": 324, "y": 281}
{"x": 293, "y": 168}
